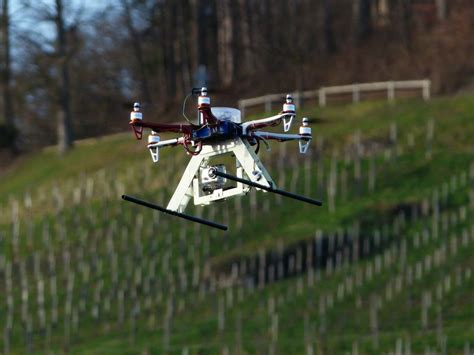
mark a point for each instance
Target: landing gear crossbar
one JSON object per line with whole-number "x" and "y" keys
{"x": 174, "y": 213}
{"x": 266, "y": 188}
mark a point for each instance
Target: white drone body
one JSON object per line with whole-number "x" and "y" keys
{"x": 220, "y": 132}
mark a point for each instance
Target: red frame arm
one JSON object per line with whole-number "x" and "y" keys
{"x": 165, "y": 127}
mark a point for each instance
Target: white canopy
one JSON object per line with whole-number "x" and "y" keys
{"x": 227, "y": 114}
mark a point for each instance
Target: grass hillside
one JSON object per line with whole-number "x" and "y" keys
{"x": 384, "y": 266}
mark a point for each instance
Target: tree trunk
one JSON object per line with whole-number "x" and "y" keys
{"x": 225, "y": 39}
{"x": 8, "y": 110}
{"x": 178, "y": 55}
{"x": 441, "y": 9}
{"x": 195, "y": 9}
{"x": 65, "y": 134}
{"x": 158, "y": 80}
{"x": 183, "y": 65}
{"x": 406, "y": 22}
{"x": 328, "y": 30}
{"x": 137, "y": 52}
{"x": 363, "y": 19}
{"x": 167, "y": 39}
{"x": 245, "y": 29}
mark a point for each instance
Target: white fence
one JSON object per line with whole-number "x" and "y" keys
{"x": 355, "y": 89}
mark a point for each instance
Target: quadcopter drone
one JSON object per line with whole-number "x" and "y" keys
{"x": 219, "y": 132}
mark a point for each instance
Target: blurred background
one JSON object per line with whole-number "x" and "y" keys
{"x": 385, "y": 266}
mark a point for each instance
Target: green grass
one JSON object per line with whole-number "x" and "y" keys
{"x": 104, "y": 236}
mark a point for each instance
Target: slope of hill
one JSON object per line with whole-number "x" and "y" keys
{"x": 384, "y": 266}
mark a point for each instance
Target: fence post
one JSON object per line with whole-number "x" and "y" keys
{"x": 242, "y": 108}
{"x": 298, "y": 99}
{"x": 390, "y": 91}
{"x": 268, "y": 104}
{"x": 322, "y": 97}
{"x": 426, "y": 89}
{"x": 355, "y": 93}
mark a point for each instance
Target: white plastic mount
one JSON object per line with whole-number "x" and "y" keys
{"x": 287, "y": 122}
{"x": 247, "y": 163}
{"x": 304, "y": 145}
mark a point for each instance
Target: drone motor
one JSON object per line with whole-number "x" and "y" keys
{"x": 305, "y": 133}
{"x": 136, "y": 117}
{"x": 153, "y": 140}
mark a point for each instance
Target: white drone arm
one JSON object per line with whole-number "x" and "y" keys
{"x": 154, "y": 145}
{"x": 281, "y": 137}
{"x": 304, "y": 137}
{"x": 168, "y": 142}
{"x": 264, "y": 122}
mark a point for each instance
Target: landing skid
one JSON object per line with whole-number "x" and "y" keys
{"x": 269, "y": 189}
{"x": 174, "y": 213}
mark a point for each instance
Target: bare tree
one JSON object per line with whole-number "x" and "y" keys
{"x": 246, "y": 36}
{"x": 65, "y": 133}
{"x": 154, "y": 47}
{"x": 182, "y": 57}
{"x": 138, "y": 51}
{"x": 362, "y": 19}
{"x": 441, "y": 7}
{"x": 328, "y": 26}
{"x": 226, "y": 41}
{"x": 58, "y": 52}
{"x": 405, "y": 21}
{"x": 8, "y": 110}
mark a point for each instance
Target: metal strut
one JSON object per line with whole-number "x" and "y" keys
{"x": 174, "y": 213}
{"x": 269, "y": 189}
